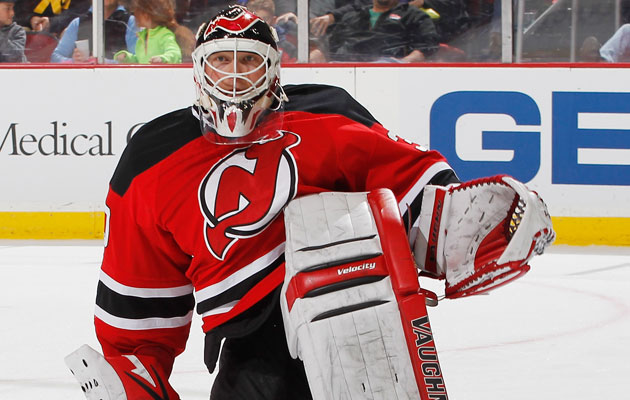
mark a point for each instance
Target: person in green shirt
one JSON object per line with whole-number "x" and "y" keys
{"x": 163, "y": 40}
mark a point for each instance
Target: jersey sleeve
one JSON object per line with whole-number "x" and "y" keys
{"x": 144, "y": 301}
{"x": 359, "y": 154}
{"x": 371, "y": 157}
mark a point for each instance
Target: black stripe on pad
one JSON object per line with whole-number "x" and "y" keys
{"x": 323, "y": 246}
{"x": 333, "y": 287}
{"x": 348, "y": 309}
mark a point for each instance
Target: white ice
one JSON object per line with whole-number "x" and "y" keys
{"x": 560, "y": 332}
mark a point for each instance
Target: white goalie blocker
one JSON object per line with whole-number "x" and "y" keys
{"x": 352, "y": 307}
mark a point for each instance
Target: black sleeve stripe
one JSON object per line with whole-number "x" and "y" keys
{"x": 161, "y": 137}
{"x": 444, "y": 178}
{"x": 131, "y": 307}
{"x": 236, "y": 292}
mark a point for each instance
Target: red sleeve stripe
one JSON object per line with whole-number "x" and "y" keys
{"x": 142, "y": 324}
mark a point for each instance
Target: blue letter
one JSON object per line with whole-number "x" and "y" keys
{"x": 568, "y": 138}
{"x": 521, "y": 108}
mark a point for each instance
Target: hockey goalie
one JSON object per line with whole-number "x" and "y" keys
{"x": 352, "y": 307}
{"x": 296, "y": 226}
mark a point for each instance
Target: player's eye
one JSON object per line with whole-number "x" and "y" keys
{"x": 251, "y": 60}
{"x": 217, "y": 60}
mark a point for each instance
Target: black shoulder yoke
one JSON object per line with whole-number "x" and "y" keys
{"x": 161, "y": 137}
{"x": 155, "y": 141}
{"x": 324, "y": 99}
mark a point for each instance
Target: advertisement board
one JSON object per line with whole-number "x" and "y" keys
{"x": 563, "y": 131}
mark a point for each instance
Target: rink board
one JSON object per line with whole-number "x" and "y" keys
{"x": 575, "y": 231}
{"x": 564, "y": 131}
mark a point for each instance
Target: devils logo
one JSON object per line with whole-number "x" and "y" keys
{"x": 245, "y": 191}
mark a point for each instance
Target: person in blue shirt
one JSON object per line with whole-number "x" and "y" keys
{"x": 617, "y": 48}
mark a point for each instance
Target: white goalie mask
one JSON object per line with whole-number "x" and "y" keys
{"x": 237, "y": 78}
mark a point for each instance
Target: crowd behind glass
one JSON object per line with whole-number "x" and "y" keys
{"x": 384, "y": 31}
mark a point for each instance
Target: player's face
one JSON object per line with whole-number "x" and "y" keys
{"x": 248, "y": 66}
{"x": 6, "y": 13}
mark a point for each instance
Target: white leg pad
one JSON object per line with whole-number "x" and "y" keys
{"x": 340, "y": 312}
{"x": 359, "y": 355}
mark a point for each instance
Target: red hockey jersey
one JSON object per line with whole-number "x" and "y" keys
{"x": 191, "y": 223}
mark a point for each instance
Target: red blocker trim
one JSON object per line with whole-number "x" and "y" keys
{"x": 488, "y": 252}
{"x": 430, "y": 262}
{"x": 493, "y": 245}
{"x": 515, "y": 270}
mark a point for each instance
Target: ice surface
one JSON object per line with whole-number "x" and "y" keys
{"x": 560, "y": 332}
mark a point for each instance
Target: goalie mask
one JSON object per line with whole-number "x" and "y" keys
{"x": 237, "y": 78}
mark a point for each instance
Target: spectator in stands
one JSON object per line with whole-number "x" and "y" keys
{"x": 12, "y": 35}
{"x": 589, "y": 51}
{"x": 162, "y": 40}
{"x": 193, "y": 13}
{"x": 319, "y": 24}
{"x": 450, "y": 16}
{"x": 285, "y": 25}
{"x": 385, "y": 31}
{"x": 119, "y": 31}
{"x": 286, "y": 28}
{"x": 49, "y": 16}
{"x": 617, "y": 48}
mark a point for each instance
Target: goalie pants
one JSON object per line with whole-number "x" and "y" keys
{"x": 258, "y": 366}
